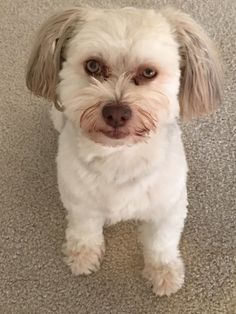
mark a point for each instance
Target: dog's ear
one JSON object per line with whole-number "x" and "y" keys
{"x": 201, "y": 75}
{"x": 47, "y": 54}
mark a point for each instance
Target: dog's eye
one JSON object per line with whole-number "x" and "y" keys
{"x": 93, "y": 67}
{"x": 149, "y": 73}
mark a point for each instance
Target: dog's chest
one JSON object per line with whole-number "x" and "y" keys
{"x": 132, "y": 200}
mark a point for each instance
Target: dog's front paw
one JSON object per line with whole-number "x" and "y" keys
{"x": 165, "y": 278}
{"x": 81, "y": 258}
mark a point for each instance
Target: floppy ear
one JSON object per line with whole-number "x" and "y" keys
{"x": 46, "y": 57}
{"x": 201, "y": 75}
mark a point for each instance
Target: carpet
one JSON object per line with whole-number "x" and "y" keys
{"x": 33, "y": 276}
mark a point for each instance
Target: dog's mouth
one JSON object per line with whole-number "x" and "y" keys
{"x": 115, "y": 134}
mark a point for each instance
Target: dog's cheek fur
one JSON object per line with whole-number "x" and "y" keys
{"x": 153, "y": 104}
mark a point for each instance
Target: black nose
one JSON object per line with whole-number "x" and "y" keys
{"x": 116, "y": 115}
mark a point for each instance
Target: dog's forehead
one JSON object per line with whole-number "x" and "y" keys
{"x": 125, "y": 24}
{"x": 122, "y": 31}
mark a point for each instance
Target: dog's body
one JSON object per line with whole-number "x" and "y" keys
{"x": 120, "y": 151}
{"x": 122, "y": 183}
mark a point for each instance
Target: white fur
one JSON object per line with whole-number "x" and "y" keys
{"x": 58, "y": 119}
{"x": 105, "y": 182}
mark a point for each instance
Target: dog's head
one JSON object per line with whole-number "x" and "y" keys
{"x": 121, "y": 74}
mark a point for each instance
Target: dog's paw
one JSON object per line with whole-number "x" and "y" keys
{"x": 165, "y": 278}
{"x": 83, "y": 259}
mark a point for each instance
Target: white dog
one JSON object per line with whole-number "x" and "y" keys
{"x": 119, "y": 79}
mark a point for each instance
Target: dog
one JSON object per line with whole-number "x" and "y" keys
{"x": 120, "y": 79}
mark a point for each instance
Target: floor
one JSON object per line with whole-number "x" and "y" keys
{"x": 33, "y": 276}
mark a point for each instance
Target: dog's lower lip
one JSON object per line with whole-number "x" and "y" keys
{"x": 115, "y": 134}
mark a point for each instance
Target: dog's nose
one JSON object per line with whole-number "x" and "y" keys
{"x": 116, "y": 115}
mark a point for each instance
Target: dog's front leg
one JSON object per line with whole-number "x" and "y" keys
{"x": 84, "y": 247}
{"x": 163, "y": 265}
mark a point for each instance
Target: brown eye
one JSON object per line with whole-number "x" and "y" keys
{"x": 93, "y": 67}
{"x": 149, "y": 73}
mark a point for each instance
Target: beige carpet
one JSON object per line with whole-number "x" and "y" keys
{"x": 33, "y": 277}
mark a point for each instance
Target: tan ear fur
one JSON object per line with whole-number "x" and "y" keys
{"x": 46, "y": 57}
{"x": 201, "y": 74}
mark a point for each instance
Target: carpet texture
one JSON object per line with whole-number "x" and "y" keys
{"x": 33, "y": 277}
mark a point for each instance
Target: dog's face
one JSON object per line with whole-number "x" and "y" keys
{"x": 121, "y": 74}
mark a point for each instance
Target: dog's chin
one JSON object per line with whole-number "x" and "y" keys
{"x": 115, "y": 134}
{"x": 113, "y": 138}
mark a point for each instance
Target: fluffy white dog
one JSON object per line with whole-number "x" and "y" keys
{"x": 119, "y": 79}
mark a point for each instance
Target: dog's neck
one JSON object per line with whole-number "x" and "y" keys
{"x": 124, "y": 163}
